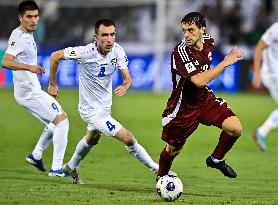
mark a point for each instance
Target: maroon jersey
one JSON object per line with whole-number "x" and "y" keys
{"x": 188, "y": 104}
{"x": 186, "y": 62}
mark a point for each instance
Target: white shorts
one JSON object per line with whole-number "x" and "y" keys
{"x": 42, "y": 106}
{"x": 270, "y": 81}
{"x": 103, "y": 122}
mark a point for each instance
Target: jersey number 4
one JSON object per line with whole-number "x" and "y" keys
{"x": 110, "y": 126}
{"x": 101, "y": 72}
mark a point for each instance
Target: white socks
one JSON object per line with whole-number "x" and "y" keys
{"x": 60, "y": 140}
{"x": 269, "y": 124}
{"x": 81, "y": 151}
{"x": 83, "y": 148}
{"x": 141, "y": 154}
{"x": 44, "y": 141}
{"x": 216, "y": 160}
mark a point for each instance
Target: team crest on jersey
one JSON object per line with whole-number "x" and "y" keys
{"x": 190, "y": 67}
{"x": 114, "y": 62}
{"x": 72, "y": 53}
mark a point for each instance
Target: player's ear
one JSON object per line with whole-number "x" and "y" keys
{"x": 95, "y": 37}
{"x": 203, "y": 30}
{"x": 20, "y": 18}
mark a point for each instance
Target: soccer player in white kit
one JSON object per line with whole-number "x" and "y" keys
{"x": 97, "y": 62}
{"x": 21, "y": 57}
{"x": 266, "y": 71}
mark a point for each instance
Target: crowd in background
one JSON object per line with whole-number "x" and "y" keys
{"x": 230, "y": 22}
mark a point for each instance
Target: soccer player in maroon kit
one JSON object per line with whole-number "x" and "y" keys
{"x": 192, "y": 102}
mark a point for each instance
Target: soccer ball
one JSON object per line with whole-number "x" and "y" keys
{"x": 169, "y": 188}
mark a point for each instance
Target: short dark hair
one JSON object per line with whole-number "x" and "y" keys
{"x": 27, "y": 5}
{"x": 105, "y": 22}
{"x": 194, "y": 17}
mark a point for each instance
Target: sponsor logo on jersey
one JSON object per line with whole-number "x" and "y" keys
{"x": 13, "y": 43}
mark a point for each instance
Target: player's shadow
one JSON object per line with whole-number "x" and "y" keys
{"x": 36, "y": 177}
{"x": 120, "y": 187}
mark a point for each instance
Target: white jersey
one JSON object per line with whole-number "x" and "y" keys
{"x": 270, "y": 54}
{"x": 95, "y": 76}
{"x": 23, "y": 47}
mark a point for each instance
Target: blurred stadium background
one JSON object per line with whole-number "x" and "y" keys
{"x": 148, "y": 30}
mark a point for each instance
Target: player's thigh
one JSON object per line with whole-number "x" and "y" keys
{"x": 42, "y": 106}
{"x": 271, "y": 83}
{"x": 103, "y": 122}
{"x": 177, "y": 131}
{"x": 216, "y": 113}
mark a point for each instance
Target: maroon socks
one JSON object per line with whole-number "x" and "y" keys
{"x": 225, "y": 143}
{"x": 165, "y": 163}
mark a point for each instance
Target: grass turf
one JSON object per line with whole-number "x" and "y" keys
{"x": 112, "y": 176}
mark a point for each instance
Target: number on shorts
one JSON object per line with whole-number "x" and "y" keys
{"x": 101, "y": 73}
{"x": 54, "y": 106}
{"x": 110, "y": 126}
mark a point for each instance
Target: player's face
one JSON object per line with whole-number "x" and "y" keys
{"x": 105, "y": 38}
{"x": 29, "y": 20}
{"x": 192, "y": 34}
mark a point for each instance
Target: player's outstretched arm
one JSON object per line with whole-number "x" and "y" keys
{"x": 54, "y": 63}
{"x": 257, "y": 61}
{"x": 122, "y": 89}
{"x": 9, "y": 62}
{"x": 202, "y": 79}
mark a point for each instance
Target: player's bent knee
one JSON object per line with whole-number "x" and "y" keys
{"x": 173, "y": 151}
{"x": 93, "y": 139}
{"x": 236, "y": 131}
{"x": 128, "y": 139}
{"x": 232, "y": 126}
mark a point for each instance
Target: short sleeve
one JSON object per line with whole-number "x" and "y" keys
{"x": 122, "y": 61}
{"x": 183, "y": 63}
{"x": 271, "y": 34}
{"x": 77, "y": 53}
{"x": 15, "y": 47}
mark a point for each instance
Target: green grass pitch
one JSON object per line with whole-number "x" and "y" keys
{"x": 113, "y": 176}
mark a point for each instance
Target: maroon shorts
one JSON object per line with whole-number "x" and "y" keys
{"x": 187, "y": 120}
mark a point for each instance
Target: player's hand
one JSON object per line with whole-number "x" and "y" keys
{"x": 36, "y": 69}
{"x": 256, "y": 80}
{"x": 120, "y": 90}
{"x": 53, "y": 90}
{"x": 235, "y": 55}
